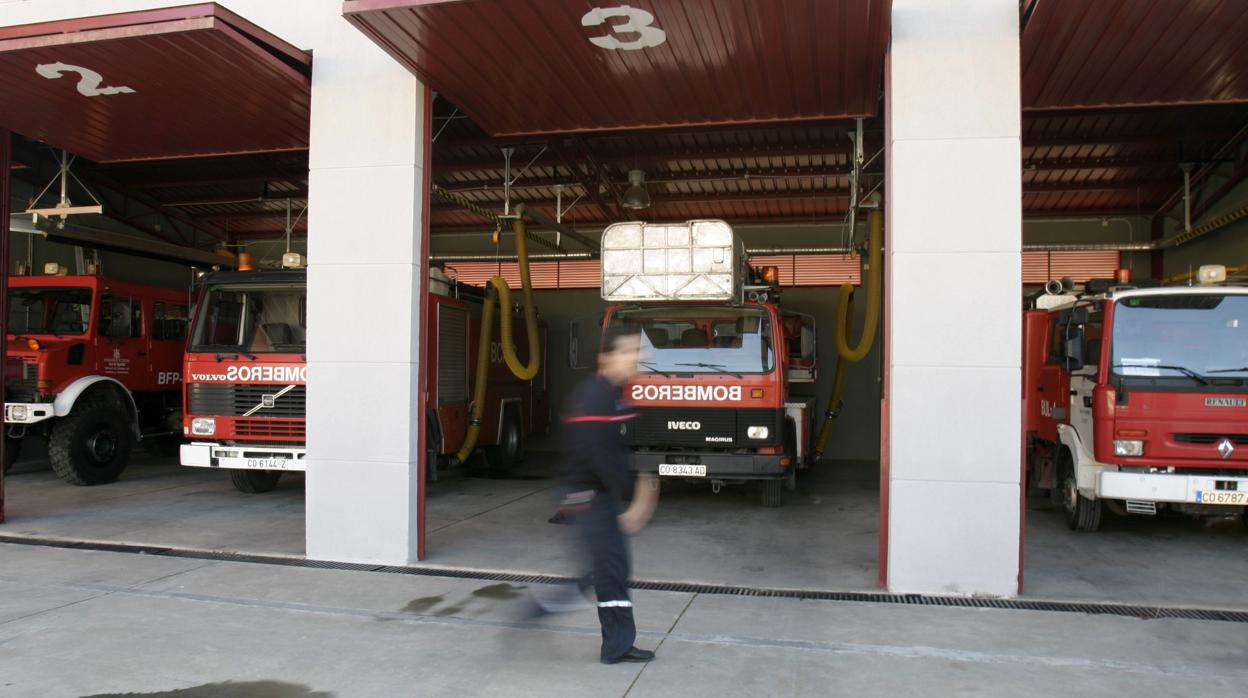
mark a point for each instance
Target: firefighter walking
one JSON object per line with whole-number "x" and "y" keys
{"x": 599, "y": 481}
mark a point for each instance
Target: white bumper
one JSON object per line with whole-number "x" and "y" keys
{"x": 210, "y": 455}
{"x": 1172, "y": 487}
{"x": 27, "y": 412}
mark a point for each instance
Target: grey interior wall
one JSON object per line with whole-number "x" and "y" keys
{"x": 1085, "y": 230}
{"x": 856, "y": 435}
{"x": 1227, "y": 245}
{"x": 38, "y": 251}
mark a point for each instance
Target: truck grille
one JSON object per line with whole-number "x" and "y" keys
{"x": 702, "y": 427}
{"x": 1237, "y": 439}
{"x": 270, "y": 428}
{"x": 27, "y": 389}
{"x": 226, "y": 400}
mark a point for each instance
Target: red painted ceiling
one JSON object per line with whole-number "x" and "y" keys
{"x": 168, "y": 83}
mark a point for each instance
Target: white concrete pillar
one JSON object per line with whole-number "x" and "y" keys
{"x": 954, "y": 220}
{"x": 366, "y": 188}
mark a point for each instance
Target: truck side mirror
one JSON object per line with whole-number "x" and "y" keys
{"x": 1072, "y": 348}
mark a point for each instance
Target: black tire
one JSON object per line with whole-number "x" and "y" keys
{"x": 772, "y": 492}
{"x": 509, "y": 452}
{"x": 12, "y": 451}
{"x": 1082, "y": 514}
{"x": 91, "y": 445}
{"x": 255, "y": 481}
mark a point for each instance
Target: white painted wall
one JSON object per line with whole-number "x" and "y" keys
{"x": 366, "y": 149}
{"x": 954, "y": 213}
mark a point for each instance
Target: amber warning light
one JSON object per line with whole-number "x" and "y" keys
{"x": 771, "y": 275}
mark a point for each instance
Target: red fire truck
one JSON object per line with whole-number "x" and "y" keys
{"x": 246, "y": 369}
{"x": 94, "y": 365}
{"x": 720, "y": 357}
{"x": 1136, "y": 399}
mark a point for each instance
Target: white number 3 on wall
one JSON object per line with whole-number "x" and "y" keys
{"x": 88, "y": 80}
{"x": 639, "y": 23}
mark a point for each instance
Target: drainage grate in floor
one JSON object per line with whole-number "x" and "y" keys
{"x": 1111, "y": 609}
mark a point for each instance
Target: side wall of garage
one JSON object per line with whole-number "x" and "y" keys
{"x": 1228, "y": 245}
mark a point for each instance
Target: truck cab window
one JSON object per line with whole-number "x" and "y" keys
{"x": 169, "y": 322}
{"x": 702, "y": 339}
{"x": 120, "y": 318}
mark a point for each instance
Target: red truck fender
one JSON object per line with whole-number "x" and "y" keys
{"x": 68, "y": 397}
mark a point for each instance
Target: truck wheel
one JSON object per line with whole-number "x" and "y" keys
{"x": 254, "y": 481}
{"x": 12, "y": 451}
{"x": 509, "y": 452}
{"x": 1082, "y": 514}
{"x": 91, "y": 445}
{"x": 773, "y": 491}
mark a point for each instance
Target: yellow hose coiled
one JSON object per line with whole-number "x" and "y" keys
{"x": 520, "y": 370}
{"x": 844, "y": 324}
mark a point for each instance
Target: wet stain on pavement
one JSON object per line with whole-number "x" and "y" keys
{"x": 229, "y": 689}
{"x": 423, "y": 604}
{"x": 501, "y": 592}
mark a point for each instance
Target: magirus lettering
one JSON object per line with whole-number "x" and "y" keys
{"x": 703, "y": 393}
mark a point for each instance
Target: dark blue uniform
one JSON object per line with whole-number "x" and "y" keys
{"x": 598, "y": 463}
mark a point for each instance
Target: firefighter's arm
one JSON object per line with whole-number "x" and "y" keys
{"x": 645, "y": 498}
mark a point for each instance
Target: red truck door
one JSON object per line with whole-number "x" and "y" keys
{"x": 168, "y": 336}
{"x": 121, "y": 349}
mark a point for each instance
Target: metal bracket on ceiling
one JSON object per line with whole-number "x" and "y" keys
{"x": 64, "y": 207}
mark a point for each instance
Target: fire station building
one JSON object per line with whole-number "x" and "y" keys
{"x": 392, "y": 143}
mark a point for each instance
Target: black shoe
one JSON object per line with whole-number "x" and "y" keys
{"x": 632, "y": 655}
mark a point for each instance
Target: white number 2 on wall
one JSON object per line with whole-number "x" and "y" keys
{"x": 88, "y": 80}
{"x": 640, "y": 22}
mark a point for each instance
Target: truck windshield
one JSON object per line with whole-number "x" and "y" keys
{"x": 1205, "y": 335}
{"x": 252, "y": 319}
{"x": 55, "y": 311}
{"x": 702, "y": 339}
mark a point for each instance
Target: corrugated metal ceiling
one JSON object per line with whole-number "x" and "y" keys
{"x": 168, "y": 83}
{"x": 1079, "y": 53}
{"x": 558, "y": 66}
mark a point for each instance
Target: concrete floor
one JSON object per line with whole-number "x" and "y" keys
{"x": 825, "y": 536}
{"x": 86, "y": 623}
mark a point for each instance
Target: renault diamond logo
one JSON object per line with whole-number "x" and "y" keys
{"x": 1226, "y": 448}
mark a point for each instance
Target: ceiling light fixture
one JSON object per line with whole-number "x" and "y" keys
{"x": 636, "y": 196}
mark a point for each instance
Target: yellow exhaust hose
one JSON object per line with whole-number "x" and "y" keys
{"x": 838, "y": 385}
{"x": 521, "y": 371}
{"x": 844, "y": 324}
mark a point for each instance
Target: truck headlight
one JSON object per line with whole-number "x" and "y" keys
{"x": 757, "y": 432}
{"x": 203, "y": 426}
{"x": 1128, "y": 447}
{"x": 18, "y": 413}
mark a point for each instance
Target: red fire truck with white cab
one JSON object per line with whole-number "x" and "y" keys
{"x": 94, "y": 365}
{"x": 246, "y": 388}
{"x": 1136, "y": 398}
{"x": 719, "y": 357}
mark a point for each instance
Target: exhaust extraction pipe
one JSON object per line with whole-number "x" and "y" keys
{"x": 498, "y": 291}
{"x": 844, "y": 324}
